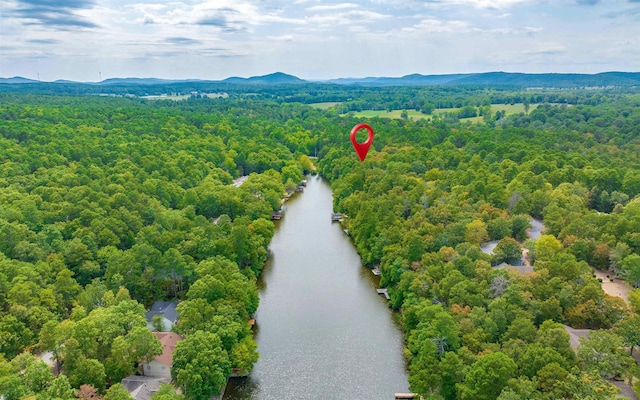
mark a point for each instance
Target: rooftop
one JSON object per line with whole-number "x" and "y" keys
{"x": 165, "y": 308}
{"x": 169, "y": 341}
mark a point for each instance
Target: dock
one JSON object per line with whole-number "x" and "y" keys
{"x": 406, "y": 396}
{"x": 238, "y": 373}
{"x": 384, "y": 292}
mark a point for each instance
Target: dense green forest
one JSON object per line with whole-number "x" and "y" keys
{"x": 420, "y": 206}
{"x": 108, "y": 204}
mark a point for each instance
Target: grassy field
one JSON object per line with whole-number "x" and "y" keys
{"x": 508, "y": 108}
{"x": 178, "y": 97}
{"x": 413, "y": 114}
{"x": 168, "y": 97}
{"x": 473, "y": 120}
{"x": 512, "y": 109}
{"x": 324, "y": 106}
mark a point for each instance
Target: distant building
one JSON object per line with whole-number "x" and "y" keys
{"x": 167, "y": 310}
{"x": 160, "y": 367}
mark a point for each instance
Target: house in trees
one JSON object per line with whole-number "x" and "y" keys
{"x": 521, "y": 268}
{"x": 160, "y": 367}
{"x": 166, "y": 313}
{"x": 156, "y": 372}
{"x": 142, "y": 387}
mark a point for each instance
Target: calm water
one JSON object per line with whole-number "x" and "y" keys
{"x": 322, "y": 330}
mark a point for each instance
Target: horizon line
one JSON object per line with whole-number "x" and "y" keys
{"x": 311, "y": 80}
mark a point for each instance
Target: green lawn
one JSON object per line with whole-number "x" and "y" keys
{"x": 473, "y": 120}
{"x": 512, "y": 109}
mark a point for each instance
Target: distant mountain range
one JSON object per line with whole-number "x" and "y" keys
{"x": 604, "y": 79}
{"x": 271, "y": 79}
{"x": 277, "y": 78}
{"x": 407, "y": 80}
{"x": 551, "y": 80}
{"x": 17, "y": 79}
{"x": 143, "y": 81}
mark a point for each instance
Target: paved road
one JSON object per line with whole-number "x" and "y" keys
{"x": 575, "y": 335}
{"x": 240, "y": 181}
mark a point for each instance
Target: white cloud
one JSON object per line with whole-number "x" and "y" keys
{"x": 353, "y": 17}
{"x": 480, "y": 4}
{"x": 332, "y": 7}
{"x": 432, "y": 25}
{"x": 315, "y": 38}
{"x": 281, "y": 38}
{"x": 546, "y": 50}
{"x": 227, "y": 15}
{"x": 496, "y": 4}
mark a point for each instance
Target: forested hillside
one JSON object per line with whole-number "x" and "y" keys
{"x": 420, "y": 206}
{"x": 108, "y": 204}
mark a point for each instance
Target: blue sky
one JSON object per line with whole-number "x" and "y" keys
{"x": 86, "y": 40}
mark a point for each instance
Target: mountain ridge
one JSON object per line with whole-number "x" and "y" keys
{"x": 18, "y": 80}
{"x": 542, "y": 80}
{"x": 274, "y": 78}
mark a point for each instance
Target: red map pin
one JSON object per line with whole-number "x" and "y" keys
{"x": 361, "y": 148}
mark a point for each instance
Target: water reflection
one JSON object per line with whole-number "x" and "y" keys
{"x": 324, "y": 332}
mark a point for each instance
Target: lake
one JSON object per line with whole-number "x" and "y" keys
{"x": 322, "y": 330}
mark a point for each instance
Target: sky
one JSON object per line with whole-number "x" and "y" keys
{"x": 92, "y": 40}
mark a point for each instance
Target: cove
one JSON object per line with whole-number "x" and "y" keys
{"x": 322, "y": 330}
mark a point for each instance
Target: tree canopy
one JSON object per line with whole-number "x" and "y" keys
{"x": 108, "y": 204}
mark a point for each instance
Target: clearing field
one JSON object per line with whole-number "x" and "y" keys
{"x": 178, "y": 97}
{"x": 512, "y": 108}
{"x": 473, "y": 120}
{"x": 324, "y": 106}
{"x": 412, "y": 114}
{"x": 616, "y": 288}
{"x": 173, "y": 97}
{"x": 508, "y": 108}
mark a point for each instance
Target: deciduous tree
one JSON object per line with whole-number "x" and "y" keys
{"x": 166, "y": 392}
{"x": 476, "y": 232}
{"x": 602, "y": 352}
{"x": 629, "y": 330}
{"x": 487, "y": 377}
{"x": 200, "y": 365}
{"x": 507, "y": 250}
{"x": 117, "y": 392}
